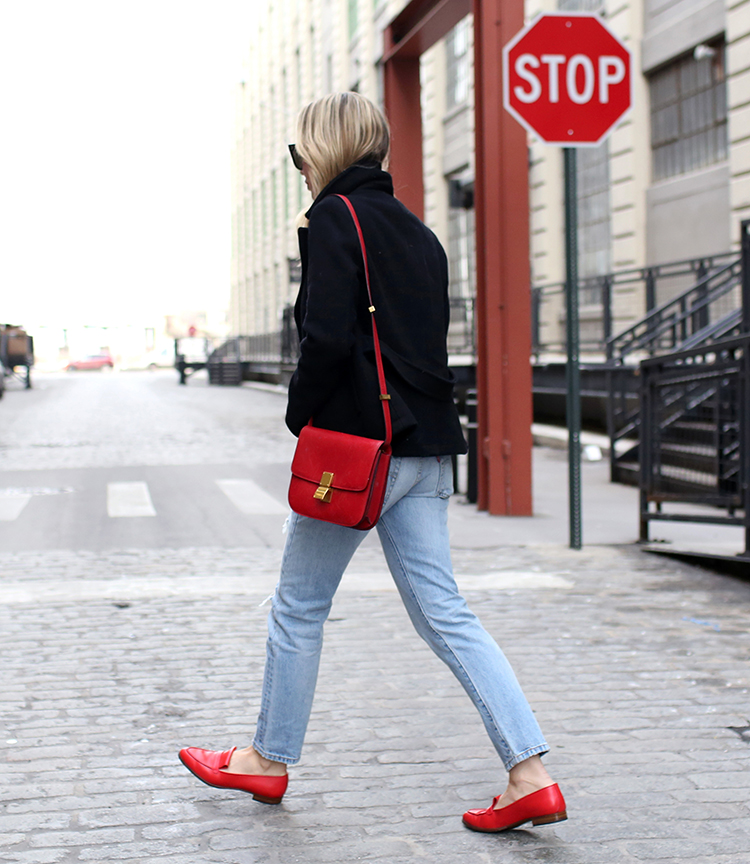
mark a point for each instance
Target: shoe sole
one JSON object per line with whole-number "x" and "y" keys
{"x": 539, "y": 820}
{"x": 261, "y": 798}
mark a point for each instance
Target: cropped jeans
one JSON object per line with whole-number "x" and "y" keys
{"x": 413, "y": 530}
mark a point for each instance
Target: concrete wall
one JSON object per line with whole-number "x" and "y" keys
{"x": 738, "y": 99}
{"x": 300, "y": 51}
{"x": 673, "y": 27}
{"x": 688, "y": 215}
{"x": 432, "y": 77}
{"x": 630, "y": 170}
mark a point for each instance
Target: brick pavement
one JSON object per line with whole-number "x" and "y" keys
{"x": 112, "y": 660}
{"x": 637, "y": 668}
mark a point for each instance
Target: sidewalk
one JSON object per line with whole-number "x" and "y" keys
{"x": 637, "y": 667}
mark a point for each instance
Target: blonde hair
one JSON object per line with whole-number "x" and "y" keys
{"x": 337, "y": 131}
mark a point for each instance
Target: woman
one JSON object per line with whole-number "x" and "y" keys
{"x": 343, "y": 144}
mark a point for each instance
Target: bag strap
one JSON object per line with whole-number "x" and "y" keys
{"x": 384, "y": 396}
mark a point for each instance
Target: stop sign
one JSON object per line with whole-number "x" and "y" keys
{"x": 567, "y": 78}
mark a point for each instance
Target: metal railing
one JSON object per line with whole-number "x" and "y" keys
{"x": 705, "y": 312}
{"x": 595, "y": 300}
{"x": 695, "y": 435}
{"x": 282, "y": 346}
{"x": 692, "y": 315}
{"x": 714, "y": 308}
{"x": 462, "y": 339}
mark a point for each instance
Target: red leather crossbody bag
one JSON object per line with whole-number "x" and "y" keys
{"x": 342, "y": 478}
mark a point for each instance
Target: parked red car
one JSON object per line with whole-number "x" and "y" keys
{"x": 94, "y": 361}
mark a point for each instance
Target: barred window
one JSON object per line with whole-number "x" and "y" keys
{"x": 689, "y": 112}
{"x": 594, "y": 220}
{"x": 458, "y": 64}
{"x": 461, "y": 258}
{"x": 353, "y": 18}
{"x": 580, "y": 5}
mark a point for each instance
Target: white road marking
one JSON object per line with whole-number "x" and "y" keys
{"x": 14, "y": 498}
{"x": 129, "y": 499}
{"x": 512, "y": 580}
{"x": 250, "y": 499}
{"x": 180, "y": 585}
{"x": 11, "y": 506}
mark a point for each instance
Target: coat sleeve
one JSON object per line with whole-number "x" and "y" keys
{"x": 334, "y": 274}
{"x": 444, "y": 281}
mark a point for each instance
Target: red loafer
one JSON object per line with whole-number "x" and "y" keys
{"x": 540, "y": 808}
{"x": 207, "y": 766}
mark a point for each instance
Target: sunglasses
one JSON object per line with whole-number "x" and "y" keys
{"x": 296, "y": 158}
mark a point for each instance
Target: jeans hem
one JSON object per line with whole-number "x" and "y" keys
{"x": 274, "y": 757}
{"x": 540, "y": 750}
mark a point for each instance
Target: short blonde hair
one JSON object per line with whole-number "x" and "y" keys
{"x": 337, "y": 131}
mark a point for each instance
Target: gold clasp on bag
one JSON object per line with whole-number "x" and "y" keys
{"x": 324, "y": 492}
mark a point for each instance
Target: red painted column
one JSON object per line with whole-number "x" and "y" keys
{"x": 503, "y": 309}
{"x": 402, "y": 99}
{"x": 503, "y": 274}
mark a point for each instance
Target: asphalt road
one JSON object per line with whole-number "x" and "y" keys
{"x": 98, "y": 460}
{"x": 108, "y": 460}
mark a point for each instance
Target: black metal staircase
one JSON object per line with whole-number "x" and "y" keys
{"x": 695, "y": 435}
{"x": 689, "y": 420}
{"x": 705, "y": 313}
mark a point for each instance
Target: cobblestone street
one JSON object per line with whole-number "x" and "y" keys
{"x": 126, "y": 639}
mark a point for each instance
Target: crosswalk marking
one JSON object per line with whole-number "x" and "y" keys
{"x": 129, "y": 499}
{"x": 250, "y": 499}
{"x": 14, "y": 498}
{"x": 11, "y": 506}
{"x": 133, "y": 499}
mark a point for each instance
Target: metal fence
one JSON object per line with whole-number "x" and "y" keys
{"x": 695, "y": 435}
{"x": 658, "y": 284}
{"x": 462, "y": 340}
{"x": 714, "y": 308}
{"x": 281, "y": 347}
{"x": 692, "y": 318}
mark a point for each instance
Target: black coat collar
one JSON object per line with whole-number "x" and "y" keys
{"x": 369, "y": 176}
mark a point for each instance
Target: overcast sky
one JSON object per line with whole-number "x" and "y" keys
{"x": 115, "y": 134}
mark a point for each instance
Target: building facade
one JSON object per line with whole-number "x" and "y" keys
{"x": 671, "y": 183}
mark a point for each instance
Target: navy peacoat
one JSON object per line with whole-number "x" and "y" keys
{"x": 335, "y": 382}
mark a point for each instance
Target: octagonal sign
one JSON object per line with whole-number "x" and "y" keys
{"x": 567, "y": 78}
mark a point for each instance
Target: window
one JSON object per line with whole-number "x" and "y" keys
{"x": 264, "y": 206}
{"x": 594, "y": 226}
{"x": 461, "y": 272}
{"x": 689, "y": 113}
{"x": 298, "y": 77}
{"x": 592, "y": 164}
{"x": 274, "y": 200}
{"x": 328, "y": 83}
{"x": 247, "y": 219}
{"x": 254, "y": 227}
{"x": 458, "y": 64}
{"x": 580, "y": 5}
{"x": 353, "y": 18}
{"x": 461, "y": 262}
{"x": 285, "y": 174}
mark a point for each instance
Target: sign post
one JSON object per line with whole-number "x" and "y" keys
{"x": 572, "y": 341}
{"x": 567, "y": 79}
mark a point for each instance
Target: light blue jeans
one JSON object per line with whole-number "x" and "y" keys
{"x": 413, "y": 530}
